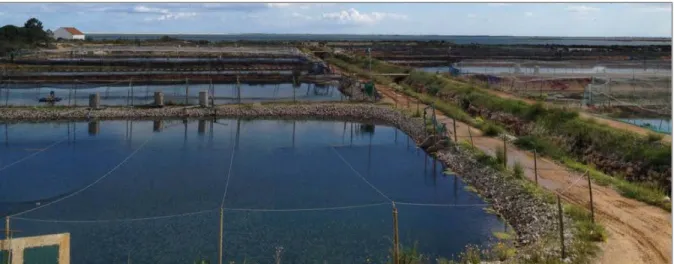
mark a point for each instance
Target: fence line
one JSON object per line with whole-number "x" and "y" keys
{"x": 229, "y": 174}
{"x": 34, "y": 154}
{"x": 360, "y": 175}
{"x": 93, "y": 183}
{"x": 314, "y": 209}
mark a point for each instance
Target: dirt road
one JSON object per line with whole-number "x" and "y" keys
{"x": 637, "y": 232}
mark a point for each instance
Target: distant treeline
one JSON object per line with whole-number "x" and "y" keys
{"x": 31, "y": 35}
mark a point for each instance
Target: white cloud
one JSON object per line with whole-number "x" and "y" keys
{"x": 655, "y": 9}
{"x": 302, "y": 16}
{"x": 472, "y": 15}
{"x": 171, "y": 16}
{"x": 303, "y": 6}
{"x": 279, "y": 5}
{"x": 354, "y": 17}
{"x": 528, "y": 14}
{"x": 165, "y": 14}
{"x": 152, "y": 10}
{"x": 498, "y": 4}
{"x": 582, "y": 9}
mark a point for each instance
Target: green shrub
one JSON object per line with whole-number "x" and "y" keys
{"x": 518, "y": 171}
{"x": 653, "y": 137}
{"x": 500, "y": 155}
{"x": 489, "y": 129}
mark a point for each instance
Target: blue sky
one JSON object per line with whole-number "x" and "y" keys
{"x": 518, "y": 19}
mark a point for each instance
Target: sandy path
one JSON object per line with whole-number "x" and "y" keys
{"x": 637, "y": 232}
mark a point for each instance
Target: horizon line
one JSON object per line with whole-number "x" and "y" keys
{"x": 387, "y": 34}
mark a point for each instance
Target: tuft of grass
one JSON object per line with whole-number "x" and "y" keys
{"x": 653, "y": 137}
{"x": 500, "y": 155}
{"x": 518, "y": 171}
{"x": 503, "y": 252}
{"x": 504, "y": 236}
{"x": 490, "y": 129}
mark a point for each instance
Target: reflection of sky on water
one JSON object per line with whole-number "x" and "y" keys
{"x": 276, "y": 165}
{"x": 659, "y": 125}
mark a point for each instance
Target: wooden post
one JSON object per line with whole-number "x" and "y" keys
{"x": 455, "y": 136}
{"x": 561, "y": 226}
{"x": 589, "y": 184}
{"x": 70, "y": 94}
{"x": 212, "y": 93}
{"x": 221, "y": 231}
{"x": 505, "y": 152}
{"x": 536, "y": 166}
{"x": 471, "y": 137}
{"x": 8, "y": 238}
{"x": 128, "y": 93}
{"x": 7, "y": 227}
{"x": 131, "y": 84}
{"x": 238, "y": 88}
{"x": 75, "y": 96}
{"x": 187, "y": 90}
{"x": 396, "y": 247}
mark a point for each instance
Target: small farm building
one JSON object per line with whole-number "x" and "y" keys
{"x": 68, "y": 33}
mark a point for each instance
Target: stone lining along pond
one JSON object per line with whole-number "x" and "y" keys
{"x": 150, "y": 190}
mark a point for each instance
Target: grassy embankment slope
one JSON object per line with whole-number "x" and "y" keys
{"x": 557, "y": 133}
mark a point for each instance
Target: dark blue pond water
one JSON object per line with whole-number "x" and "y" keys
{"x": 85, "y": 178}
{"x": 121, "y": 93}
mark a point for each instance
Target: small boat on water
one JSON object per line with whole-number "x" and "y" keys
{"x": 50, "y": 100}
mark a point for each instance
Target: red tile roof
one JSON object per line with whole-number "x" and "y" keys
{"x": 73, "y": 31}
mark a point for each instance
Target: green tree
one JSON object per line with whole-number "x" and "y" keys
{"x": 34, "y": 31}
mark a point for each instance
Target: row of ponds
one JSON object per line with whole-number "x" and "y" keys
{"x": 552, "y": 70}
{"x": 125, "y": 93}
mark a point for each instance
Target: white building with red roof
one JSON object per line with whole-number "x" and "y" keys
{"x": 68, "y": 33}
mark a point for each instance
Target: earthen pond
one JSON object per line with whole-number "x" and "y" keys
{"x": 125, "y": 93}
{"x": 151, "y": 191}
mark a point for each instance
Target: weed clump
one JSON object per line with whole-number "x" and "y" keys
{"x": 518, "y": 171}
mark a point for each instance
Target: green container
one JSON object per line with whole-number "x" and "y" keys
{"x": 369, "y": 88}
{"x": 41, "y": 255}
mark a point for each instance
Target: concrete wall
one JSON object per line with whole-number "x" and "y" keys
{"x": 62, "y": 33}
{"x": 18, "y": 245}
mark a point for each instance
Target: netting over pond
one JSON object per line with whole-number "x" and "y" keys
{"x": 152, "y": 191}
{"x": 126, "y": 93}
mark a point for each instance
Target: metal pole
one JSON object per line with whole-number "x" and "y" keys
{"x": 536, "y": 166}
{"x": 505, "y": 152}
{"x": 75, "y": 96}
{"x": 561, "y": 226}
{"x": 70, "y": 93}
{"x": 589, "y": 184}
{"x": 455, "y": 136}
{"x": 238, "y": 88}
{"x": 187, "y": 90}
{"x": 396, "y": 247}
{"x": 131, "y": 83}
{"x": 212, "y": 92}
{"x": 8, "y": 238}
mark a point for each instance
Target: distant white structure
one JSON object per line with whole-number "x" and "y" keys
{"x": 68, "y": 33}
